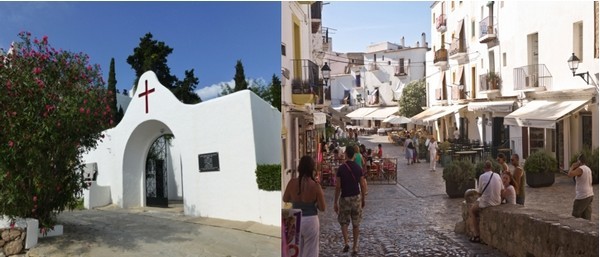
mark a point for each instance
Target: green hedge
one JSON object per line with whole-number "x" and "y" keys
{"x": 268, "y": 177}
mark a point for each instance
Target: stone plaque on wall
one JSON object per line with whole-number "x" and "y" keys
{"x": 208, "y": 162}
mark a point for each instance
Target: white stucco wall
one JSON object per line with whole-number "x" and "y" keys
{"x": 229, "y": 125}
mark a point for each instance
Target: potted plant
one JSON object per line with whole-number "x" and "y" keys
{"x": 459, "y": 176}
{"x": 445, "y": 156}
{"x": 494, "y": 81}
{"x": 539, "y": 169}
{"x": 591, "y": 157}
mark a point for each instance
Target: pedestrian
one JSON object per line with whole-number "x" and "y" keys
{"x": 408, "y": 150}
{"x": 490, "y": 187}
{"x": 519, "y": 178}
{"x": 433, "y": 148}
{"x": 416, "y": 149}
{"x": 509, "y": 194}
{"x": 502, "y": 161}
{"x": 456, "y": 134}
{"x": 349, "y": 199}
{"x": 584, "y": 192}
{"x": 306, "y": 194}
{"x": 379, "y": 151}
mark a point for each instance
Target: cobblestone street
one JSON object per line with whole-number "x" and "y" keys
{"x": 416, "y": 217}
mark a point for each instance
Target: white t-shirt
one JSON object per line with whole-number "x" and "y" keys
{"x": 491, "y": 196}
{"x": 433, "y": 147}
{"x": 511, "y": 197}
{"x": 583, "y": 183}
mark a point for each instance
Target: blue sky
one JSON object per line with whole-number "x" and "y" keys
{"x": 208, "y": 37}
{"x": 359, "y": 24}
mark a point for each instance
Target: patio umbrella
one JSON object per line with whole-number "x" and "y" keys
{"x": 397, "y": 120}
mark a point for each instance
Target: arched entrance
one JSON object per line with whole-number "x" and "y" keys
{"x": 152, "y": 173}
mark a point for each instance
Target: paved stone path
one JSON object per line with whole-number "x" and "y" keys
{"x": 156, "y": 232}
{"x": 416, "y": 217}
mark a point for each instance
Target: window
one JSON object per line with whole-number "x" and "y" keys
{"x": 492, "y": 61}
{"x": 472, "y": 28}
{"x": 401, "y": 66}
{"x": 504, "y": 59}
{"x": 578, "y": 40}
{"x": 283, "y": 49}
{"x": 596, "y": 49}
{"x": 501, "y": 4}
{"x": 452, "y": 5}
{"x": 433, "y": 18}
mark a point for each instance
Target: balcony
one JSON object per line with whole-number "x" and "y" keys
{"x": 441, "y": 59}
{"x": 439, "y": 94}
{"x": 490, "y": 82}
{"x": 458, "y": 50}
{"x": 440, "y": 23}
{"x": 487, "y": 31}
{"x": 315, "y": 15}
{"x": 305, "y": 82}
{"x": 400, "y": 71}
{"x": 534, "y": 77}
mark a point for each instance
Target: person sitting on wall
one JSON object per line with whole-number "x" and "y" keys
{"x": 490, "y": 187}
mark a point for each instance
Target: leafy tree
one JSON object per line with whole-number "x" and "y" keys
{"x": 112, "y": 87}
{"x": 413, "y": 97}
{"x": 53, "y": 108}
{"x": 120, "y": 114}
{"x": 152, "y": 55}
{"x": 184, "y": 90}
{"x": 275, "y": 92}
{"x": 125, "y": 92}
{"x": 225, "y": 89}
{"x": 239, "y": 78}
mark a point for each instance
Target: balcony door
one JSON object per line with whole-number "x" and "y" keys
{"x": 532, "y": 59}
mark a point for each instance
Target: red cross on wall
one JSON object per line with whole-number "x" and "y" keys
{"x": 146, "y": 93}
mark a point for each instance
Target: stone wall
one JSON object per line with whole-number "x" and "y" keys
{"x": 12, "y": 241}
{"x": 522, "y": 232}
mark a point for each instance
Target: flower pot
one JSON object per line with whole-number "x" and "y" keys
{"x": 539, "y": 179}
{"x": 446, "y": 159}
{"x": 456, "y": 190}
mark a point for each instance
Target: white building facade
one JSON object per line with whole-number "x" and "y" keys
{"x": 538, "y": 104}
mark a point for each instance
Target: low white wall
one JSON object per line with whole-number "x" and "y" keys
{"x": 96, "y": 195}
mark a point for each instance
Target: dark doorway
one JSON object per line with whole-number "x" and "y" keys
{"x": 156, "y": 173}
{"x": 500, "y": 137}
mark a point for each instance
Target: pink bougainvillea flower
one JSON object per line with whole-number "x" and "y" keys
{"x": 35, "y": 198}
{"x": 10, "y": 143}
{"x": 37, "y": 70}
{"x": 45, "y": 40}
{"x": 81, "y": 110}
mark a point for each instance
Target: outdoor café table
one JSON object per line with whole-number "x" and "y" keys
{"x": 479, "y": 152}
{"x": 463, "y": 154}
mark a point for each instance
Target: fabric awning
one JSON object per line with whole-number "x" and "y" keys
{"x": 339, "y": 108}
{"x": 458, "y": 75}
{"x": 447, "y": 111}
{"x": 491, "y": 106}
{"x": 394, "y": 119}
{"x": 543, "y": 113}
{"x": 360, "y": 113}
{"x": 418, "y": 119}
{"x": 381, "y": 113}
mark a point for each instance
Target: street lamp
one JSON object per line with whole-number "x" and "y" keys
{"x": 574, "y": 64}
{"x": 326, "y": 73}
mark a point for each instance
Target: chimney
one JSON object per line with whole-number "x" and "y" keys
{"x": 423, "y": 40}
{"x": 417, "y": 43}
{"x": 402, "y": 41}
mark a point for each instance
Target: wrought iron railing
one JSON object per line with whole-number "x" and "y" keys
{"x": 490, "y": 81}
{"x": 485, "y": 28}
{"x": 532, "y": 76}
{"x": 441, "y": 56}
{"x": 440, "y": 21}
{"x": 457, "y": 46}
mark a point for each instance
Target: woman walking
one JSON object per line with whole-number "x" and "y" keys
{"x": 306, "y": 194}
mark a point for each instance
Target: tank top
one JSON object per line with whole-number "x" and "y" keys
{"x": 308, "y": 209}
{"x": 358, "y": 159}
{"x": 583, "y": 183}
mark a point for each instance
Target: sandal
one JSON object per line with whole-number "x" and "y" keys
{"x": 475, "y": 239}
{"x": 346, "y": 248}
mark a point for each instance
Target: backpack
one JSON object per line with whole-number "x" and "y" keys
{"x": 411, "y": 146}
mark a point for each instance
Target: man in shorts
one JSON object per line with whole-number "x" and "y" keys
{"x": 350, "y": 188}
{"x": 584, "y": 192}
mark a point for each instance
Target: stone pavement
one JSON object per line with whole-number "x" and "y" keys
{"x": 112, "y": 231}
{"x": 416, "y": 217}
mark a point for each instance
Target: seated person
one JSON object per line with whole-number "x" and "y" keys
{"x": 509, "y": 194}
{"x": 490, "y": 188}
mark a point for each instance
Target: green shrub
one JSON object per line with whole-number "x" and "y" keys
{"x": 591, "y": 157}
{"x": 539, "y": 162}
{"x": 459, "y": 171}
{"x": 268, "y": 177}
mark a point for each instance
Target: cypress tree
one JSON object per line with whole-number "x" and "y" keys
{"x": 112, "y": 88}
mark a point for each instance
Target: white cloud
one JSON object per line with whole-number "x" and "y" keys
{"x": 212, "y": 91}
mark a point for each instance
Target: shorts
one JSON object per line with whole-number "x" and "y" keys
{"x": 582, "y": 208}
{"x": 350, "y": 209}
